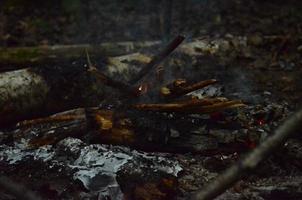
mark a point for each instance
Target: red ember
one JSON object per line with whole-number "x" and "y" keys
{"x": 260, "y": 122}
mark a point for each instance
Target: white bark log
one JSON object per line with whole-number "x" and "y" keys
{"x": 22, "y": 91}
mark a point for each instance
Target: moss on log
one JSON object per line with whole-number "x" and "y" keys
{"x": 20, "y": 57}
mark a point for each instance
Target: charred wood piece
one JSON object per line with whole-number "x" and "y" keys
{"x": 180, "y": 87}
{"x": 199, "y": 106}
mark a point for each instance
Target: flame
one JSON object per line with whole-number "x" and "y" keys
{"x": 143, "y": 88}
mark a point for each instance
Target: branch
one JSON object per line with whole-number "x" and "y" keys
{"x": 180, "y": 87}
{"x": 158, "y": 59}
{"x": 250, "y": 162}
{"x": 17, "y": 190}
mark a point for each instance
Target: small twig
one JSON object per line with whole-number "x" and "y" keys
{"x": 17, "y": 190}
{"x": 88, "y": 58}
{"x": 250, "y": 162}
{"x": 158, "y": 59}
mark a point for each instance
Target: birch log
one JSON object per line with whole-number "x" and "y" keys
{"x": 21, "y": 92}
{"x": 28, "y": 93}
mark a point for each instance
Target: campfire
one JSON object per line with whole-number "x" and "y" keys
{"x": 160, "y": 124}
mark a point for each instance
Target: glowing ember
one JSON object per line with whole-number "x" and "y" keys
{"x": 143, "y": 88}
{"x": 260, "y": 122}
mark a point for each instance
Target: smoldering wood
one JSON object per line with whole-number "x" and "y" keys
{"x": 252, "y": 160}
{"x": 138, "y": 130}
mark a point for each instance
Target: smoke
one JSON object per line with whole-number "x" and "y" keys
{"x": 239, "y": 84}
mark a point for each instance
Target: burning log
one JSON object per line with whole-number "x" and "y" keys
{"x": 128, "y": 129}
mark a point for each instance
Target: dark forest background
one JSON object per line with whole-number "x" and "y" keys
{"x": 36, "y": 22}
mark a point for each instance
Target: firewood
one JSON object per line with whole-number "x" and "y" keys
{"x": 191, "y": 106}
{"x": 117, "y": 128}
{"x": 180, "y": 87}
{"x": 108, "y": 129}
